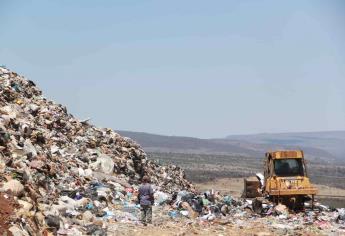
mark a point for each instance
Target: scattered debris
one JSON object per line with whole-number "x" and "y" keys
{"x": 63, "y": 176}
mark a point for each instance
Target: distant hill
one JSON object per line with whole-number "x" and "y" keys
{"x": 318, "y": 146}
{"x": 176, "y": 144}
{"x": 332, "y": 142}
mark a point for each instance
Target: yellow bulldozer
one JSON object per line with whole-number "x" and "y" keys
{"x": 285, "y": 180}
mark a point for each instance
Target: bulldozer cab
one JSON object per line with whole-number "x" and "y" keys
{"x": 284, "y": 165}
{"x": 288, "y": 167}
{"x": 286, "y": 174}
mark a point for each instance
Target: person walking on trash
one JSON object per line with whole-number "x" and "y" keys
{"x": 146, "y": 200}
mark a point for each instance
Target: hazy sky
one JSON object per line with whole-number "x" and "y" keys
{"x": 193, "y": 68}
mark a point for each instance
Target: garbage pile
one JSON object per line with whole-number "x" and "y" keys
{"x": 63, "y": 176}
{"x": 58, "y": 166}
{"x": 211, "y": 208}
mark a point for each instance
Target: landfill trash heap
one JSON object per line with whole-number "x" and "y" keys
{"x": 48, "y": 157}
{"x": 62, "y": 176}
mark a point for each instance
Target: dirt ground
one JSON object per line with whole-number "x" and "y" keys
{"x": 242, "y": 227}
{"x": 231, "y": 186}
{"x": 179, "y": 229}
{"x": 6, "y": 212}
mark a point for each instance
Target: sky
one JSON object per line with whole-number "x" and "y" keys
{"x": 196, "y": 68}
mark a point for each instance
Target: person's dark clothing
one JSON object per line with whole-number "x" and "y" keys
{"x": 145, "y": 195}
{"x": 146, "y": 201}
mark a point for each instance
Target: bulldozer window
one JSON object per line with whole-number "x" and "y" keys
{"x": 288, "y": 167}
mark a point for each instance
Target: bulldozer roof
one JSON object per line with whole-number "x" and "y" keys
{"x": 285, "y": 154}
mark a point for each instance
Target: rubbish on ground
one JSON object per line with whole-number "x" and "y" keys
{"x": 63, "y": 176}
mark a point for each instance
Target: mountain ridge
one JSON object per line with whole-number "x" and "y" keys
{"x": 321, "y": 145}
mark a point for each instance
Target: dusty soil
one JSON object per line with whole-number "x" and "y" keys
{"x": 7, "y": 207}
{"x": 232, "y": 186}
{"x": 180, "y": 229}
{"x": 242, "y": 227}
